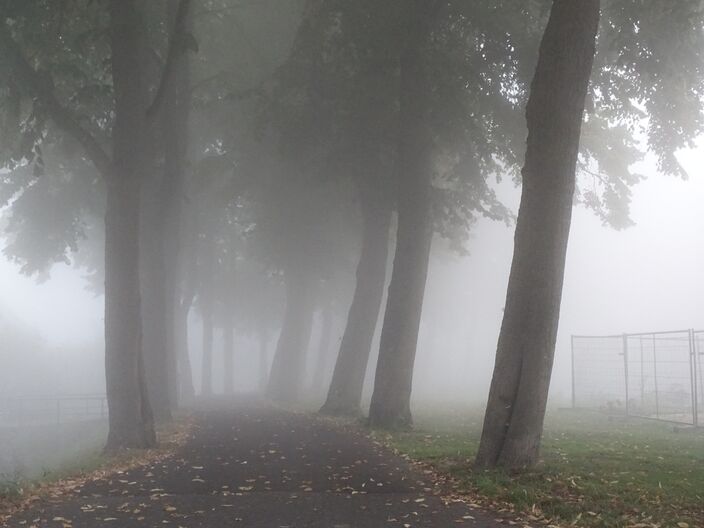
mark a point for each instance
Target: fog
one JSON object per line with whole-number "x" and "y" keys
{"x": 639, "y": 279}
{"x": 291, "y": 247}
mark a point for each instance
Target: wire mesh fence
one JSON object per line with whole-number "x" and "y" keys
{"x": 655, "y": 375}
{"x": 698, "y": 344}
{"x": 37, "y": 410}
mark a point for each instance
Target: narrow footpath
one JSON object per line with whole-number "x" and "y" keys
{"x": 259, "y": 467}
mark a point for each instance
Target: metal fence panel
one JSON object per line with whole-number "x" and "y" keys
{"x": 698, "y": 360}
{"x": 598, "y": 376}
{"x": 656, "y": 375}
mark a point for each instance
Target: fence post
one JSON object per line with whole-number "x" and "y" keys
{"x": 655, "y": 379}
{"x": 574, "y": 393}
{"x": 699, "y": 363}
{"x": 625, "y": 368}
{"x": 642, "y": 375}
{"x": 693, "y": 378}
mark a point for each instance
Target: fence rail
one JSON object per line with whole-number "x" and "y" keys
{"x": 653, "y": 375}
{"x": 39, "y": 410}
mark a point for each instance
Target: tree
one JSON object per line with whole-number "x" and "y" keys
{"x": 188, "y": 275}
{"x": 467, "y": 61}
{"x": 162, "y": 203}
{"x": 228, "y": 309}
{"x": 301, "y": 220}
{"x": 130, "y": 415}
{"x": 519, "y": 389}
{"x": 366, "y": 117}
{"x": 345, "y": 392}
{"x": 206, "y": 298}
{"x": 326, "y": 319}
{"x": 124, "y": 171}
{"x": 131, "y": 423}
{"x": 635, "y": 87}
{"x": 286, "y": 376}
{"x": 390, "y": 406}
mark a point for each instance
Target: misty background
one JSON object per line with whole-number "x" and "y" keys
{"x": 642, "y": 278}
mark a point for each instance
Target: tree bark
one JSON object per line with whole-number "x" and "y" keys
{"x": 263, "y": 358}
{"x": 130, "y": 419}
{"x": 320, "y": 366}
{"x": 161, "y": 205}
{"x": 518, "y": 395}
{"x": 206, "y": 375}
{"x": 207, "y": 309}
{"x": 229, "y": 355}
{"x": 186, "y": 390}
{"x": 188, "y": 279}
{"x": 175, "y": 125}
{"x": 157, "y": 354}
{"x": 288, "y": 367}
{"x": 390, "y": 405}
{"x": 345, "y": 392}
{"x": 130, "y": 416}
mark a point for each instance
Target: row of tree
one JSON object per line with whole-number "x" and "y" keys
{"x": 248, "y": 157}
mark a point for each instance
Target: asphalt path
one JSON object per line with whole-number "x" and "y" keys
{"x": 254, "y": 467}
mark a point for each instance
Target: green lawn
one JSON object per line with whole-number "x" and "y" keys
{"x": 594, "y": 471}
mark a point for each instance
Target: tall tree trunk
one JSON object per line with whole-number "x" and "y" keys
{"x": 228, "y": 330}
{"x": 206, "y": 374}
{"x": 263, "y": 358}
{"x": 320, "y": 366}
{"x": 157, "y": 355}
{"x": 345, "y": 393}
{"x": 188, "y": 278}
{"x": 207, "y": 309}
{"x": 390, "y": 405}
{"x": 130, "y": 419}
{"x": 161, "y": 206}
{"x": 186, "y": 391}
{"x": 516, "y": 408}
{"x": 175, "y": 124}
{"x": 288, "y": 366}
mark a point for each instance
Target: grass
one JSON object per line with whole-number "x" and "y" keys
{"x": 594, "y": 471}
{"x": 10, "y": 488}
{"x": 87, "y": 463}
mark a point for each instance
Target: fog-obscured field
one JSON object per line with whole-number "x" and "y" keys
{"x": 29, "y": 452}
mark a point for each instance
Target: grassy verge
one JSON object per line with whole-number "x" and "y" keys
{"x": 91, "y": 463}
{"x": 594, "y": 471}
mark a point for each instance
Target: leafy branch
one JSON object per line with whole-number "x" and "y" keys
{"x": 40, "y": 85}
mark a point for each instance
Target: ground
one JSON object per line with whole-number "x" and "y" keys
{"x": 596, "y": 470}
{"x": 255, "y": 466}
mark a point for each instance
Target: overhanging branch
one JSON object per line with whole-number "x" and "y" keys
{"x": 40, "y": 86}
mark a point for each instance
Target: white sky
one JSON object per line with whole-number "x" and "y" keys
{"x": 61, "y": 310}
{"x": 646, "y": 278}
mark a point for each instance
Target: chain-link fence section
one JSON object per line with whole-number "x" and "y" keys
{"x": 655, "y": 375}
